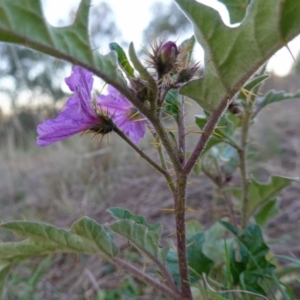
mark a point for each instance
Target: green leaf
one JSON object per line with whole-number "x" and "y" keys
{"x": 193, "y": 227}
{"x": 251, "y": 267}
{"x": 94, "y": 236}
{"x": 232, "y": 55}
{"x": 173, "y": 104}
{"x": 188, "y": 46}
{"x": 18, "y": 251}
{"x": 23, "y": 23}
{"x": 267, "y": 212}
{"x": 122, "y": 58}
{"x": 229, "y": 227}
{"x": 4, "y": 271}
{"x": 85, "y": 236}
{"x": 213, "y": 246}
{"x": 246, "y": 95}
{"x": 260, "y": 193}
{"x": 236, "y": 9}
{"x": 223, "y": 132}
{"x": 143, "y": 238}
{"x": 125, "y": 214}
{"x": 172, "y": 265}
{"x": 198, "y": 262}
{"x": 39, "y": 272}
{"x": 144, "y": 74}
{"x": 291, "y": 259}
{"x": 273, "y": 97}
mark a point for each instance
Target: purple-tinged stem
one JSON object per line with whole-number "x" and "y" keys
{"x": 179, "y": 210}
{"x": 207, "y": 133}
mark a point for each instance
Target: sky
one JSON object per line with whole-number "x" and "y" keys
{"x": 133, "y": 16}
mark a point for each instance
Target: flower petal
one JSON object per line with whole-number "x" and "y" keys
{"x": 77, "y": 115}
{"x": 120, "y": 109}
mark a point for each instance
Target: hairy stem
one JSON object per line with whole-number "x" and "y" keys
{"x": 242, "y": 153}
{"x": 179, "y": 209}
{"x": 168, "y": 145}
{"x": 141, "y": 152}
{"x": 181, "y": 132}
{"x": 207, "y": 132}
{"x": 168, "y": 177}
{"x": 146, "y": 278}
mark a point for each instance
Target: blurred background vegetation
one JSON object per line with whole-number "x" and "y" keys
{"x": 80, "y": 176}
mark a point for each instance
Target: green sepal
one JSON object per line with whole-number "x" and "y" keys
{"x": 122, "y": 58}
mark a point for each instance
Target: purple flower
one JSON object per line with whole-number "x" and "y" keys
{"x": 123, "y": 113}
{"x": 78, "y": 114}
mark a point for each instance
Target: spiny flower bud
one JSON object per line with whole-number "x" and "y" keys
{"x": 166, "y": 57}
{"x": 234, "y": 108}
{"x": 187, "y": 74}
{"x": 141, "y": 89}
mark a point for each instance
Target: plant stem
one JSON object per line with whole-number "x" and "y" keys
{"x": 181, "y": 132}
{"x": 242, "y": 153}
{"x": 207, "y": 132}
{"x": 179, "y": 209}
{"x": 140, "y": 152}
{"x": 146, "y": 278}
{"x": 164, "y": 166}
{"x": 168, "y": 145}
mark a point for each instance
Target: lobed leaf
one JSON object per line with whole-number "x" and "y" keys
{"x": 222, "y": 133}
{"x": 214, "y": 245}
{"x": 269, "y": 210}
{"x": 198, "y": 261}
{"x": 260, "y": 193}
{"x": 121, "y": 213}
{"x": 85, "y": 236}
{"x": 4, "y": 271}
{"x": 143, "y": 238}
{"x": 22, "y": 22}
{"x": 248, "y": 260}
{"x": 273, "y": 97}
{"x": 236, "y": 9}
{"x": 246, "y": 93}
{"x": 232, "y": 55}
{"x": 18, "y": 251}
